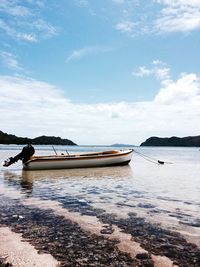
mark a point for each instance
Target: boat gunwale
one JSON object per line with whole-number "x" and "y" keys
{"x": 80, "y": 156}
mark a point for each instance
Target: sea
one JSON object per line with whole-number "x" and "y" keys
{"x": 167, "y": 193}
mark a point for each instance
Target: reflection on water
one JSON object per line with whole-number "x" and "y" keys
{"x": 18, "y": 181}
{"x": 107, "y": 172}
{"x": 27, "y": 178}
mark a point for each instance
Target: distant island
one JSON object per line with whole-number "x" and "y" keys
{"x": 41, "y": 140}
{"x": 122, "y": 145}
{"x": 189, "y": 141}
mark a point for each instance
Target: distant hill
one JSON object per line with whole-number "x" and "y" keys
{"x": 189, "y": 141}
{"x": 122, "y": 145}
{"x": 41, "y": 140}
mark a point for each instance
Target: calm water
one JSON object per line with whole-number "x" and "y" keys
{"x": 168, "y": 194}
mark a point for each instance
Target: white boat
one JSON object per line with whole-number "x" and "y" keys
{"x": 86, "y": 160}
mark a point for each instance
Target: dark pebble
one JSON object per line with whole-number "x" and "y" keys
{"x": 142, "y": 256}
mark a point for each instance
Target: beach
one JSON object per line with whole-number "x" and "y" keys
{"x": 142, "y": 214}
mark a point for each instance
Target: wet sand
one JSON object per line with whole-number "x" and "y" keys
{"x": 14, "y": 249}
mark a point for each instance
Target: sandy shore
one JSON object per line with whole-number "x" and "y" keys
{"x": 15, "y": 250}
{"x": 89, "y": 237}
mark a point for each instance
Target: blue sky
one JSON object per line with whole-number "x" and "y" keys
{"x": 100, "y": 72}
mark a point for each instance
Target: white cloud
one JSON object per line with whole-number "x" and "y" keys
{"x": 160, "y": 71}
{"x": 31, "y": 108}
{"x": 39, "y": 3}
{"x": 169, "y": 16}
{"x": 178, "y": 16}
{"x": 14, "y": 9}
{"x": 142, "y": 72}
{"x": 87, "y": 51}
{"x": 158, "y": 62}
{"x": 25, "y": 23}
{"x": 125, "y": 26}
{"x": 10, "y": 60}
{"x": 30, "y": 37}
{"x": 9, "y": 30}
{"x": 193, "y": 3}
{"x": 42, "y": 28}
{"x": 186, "y": 88}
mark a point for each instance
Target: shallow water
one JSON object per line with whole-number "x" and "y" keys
{"x": 167, "y": 194}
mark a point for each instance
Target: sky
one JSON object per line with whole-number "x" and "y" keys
{"x": 100, "y": 71}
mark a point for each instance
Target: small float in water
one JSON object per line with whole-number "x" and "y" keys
{"x": 69, "y": 161}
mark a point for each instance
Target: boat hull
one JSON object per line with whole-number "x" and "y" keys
{"x": 79, "y": 161}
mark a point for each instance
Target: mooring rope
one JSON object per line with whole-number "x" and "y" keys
{"x": 152, "y": 160}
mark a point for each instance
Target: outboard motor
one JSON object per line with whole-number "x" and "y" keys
{"x": 24, "y": 155}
